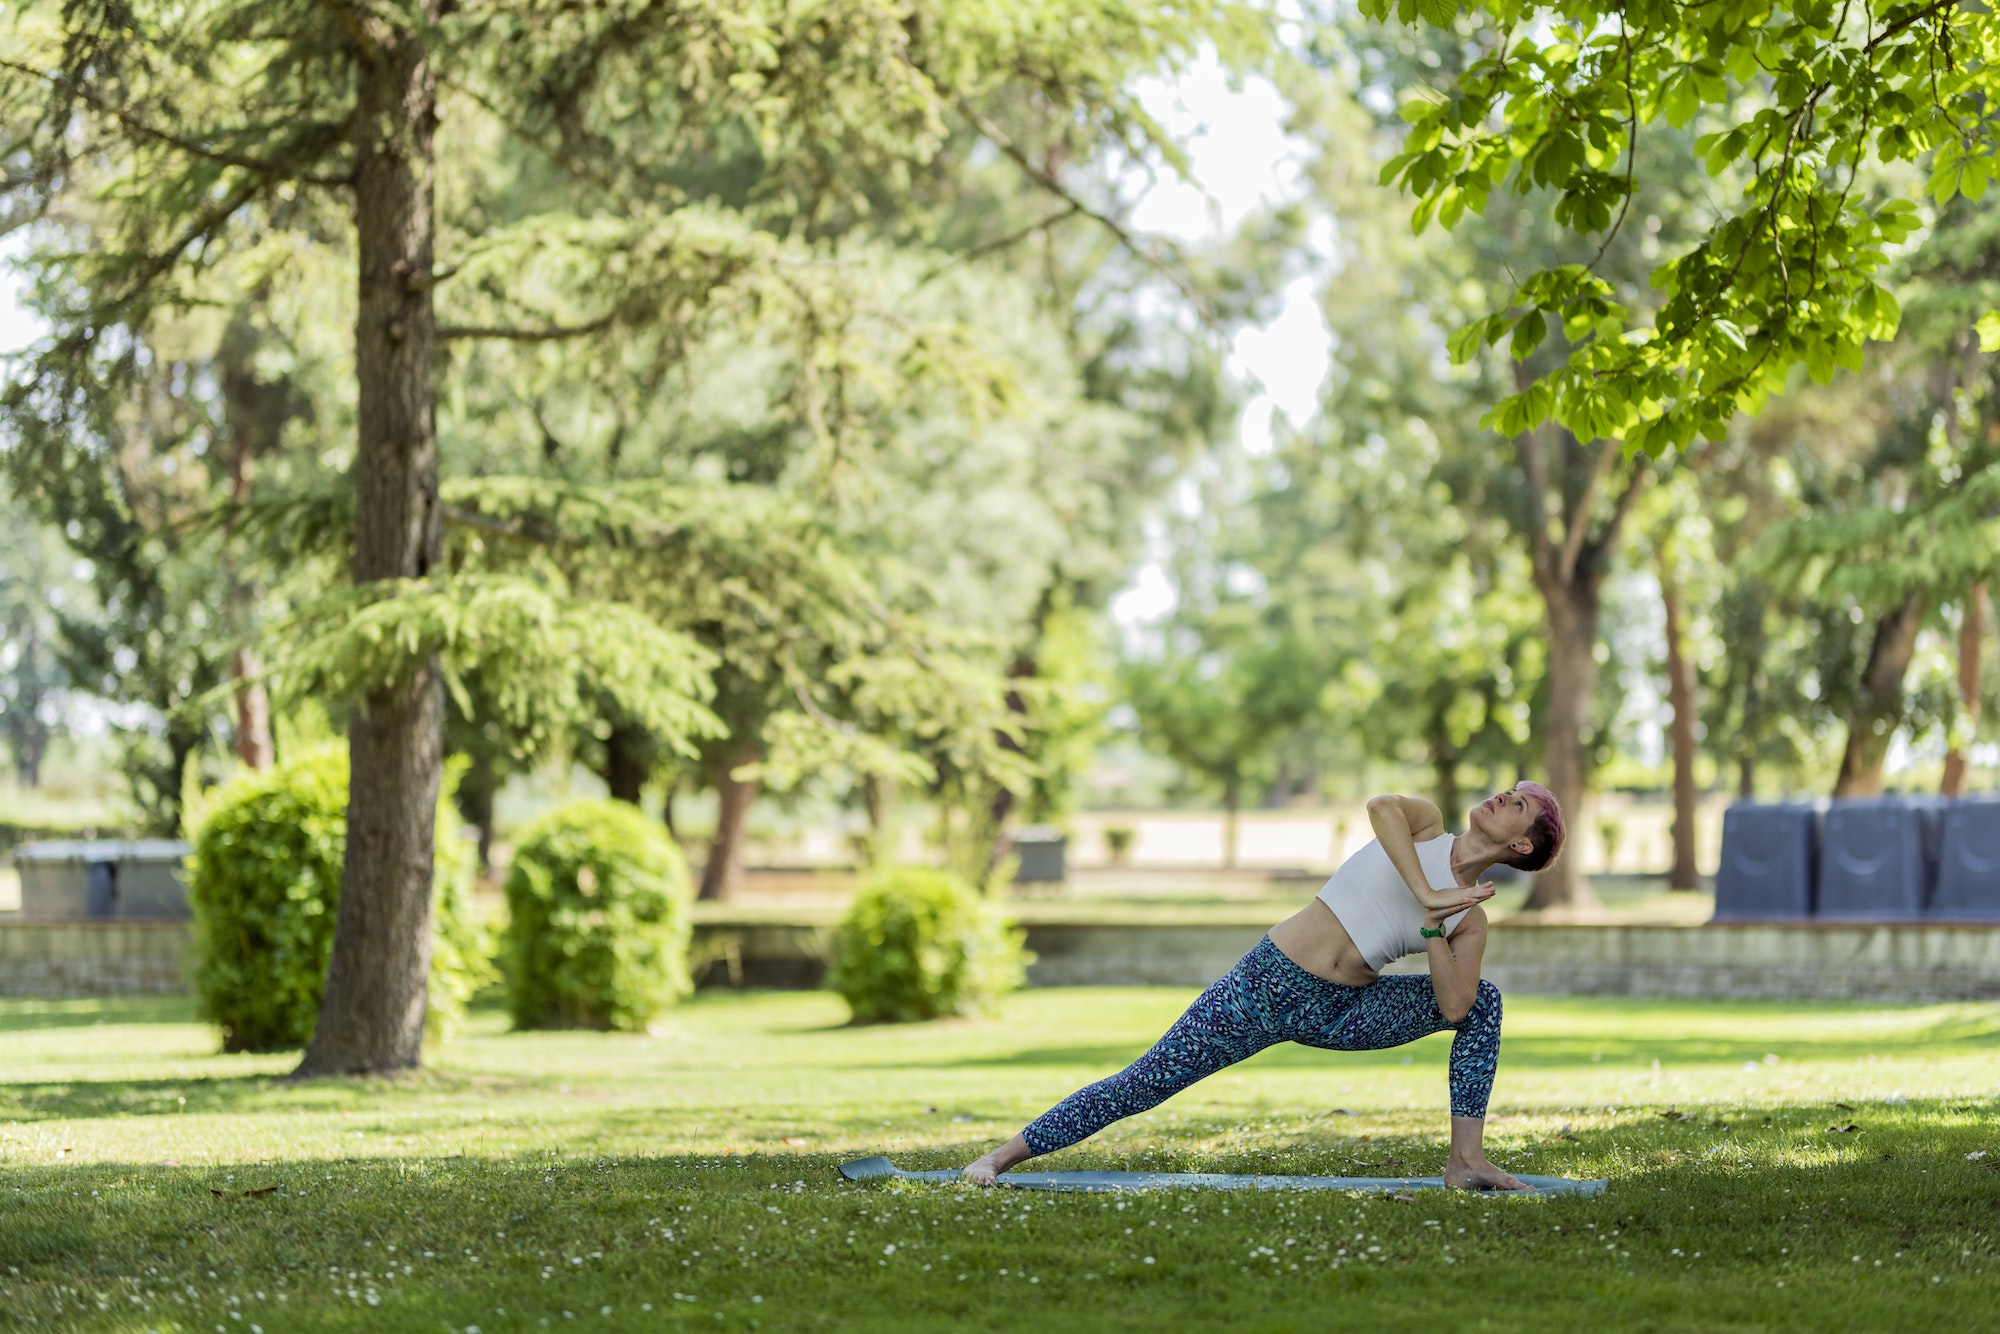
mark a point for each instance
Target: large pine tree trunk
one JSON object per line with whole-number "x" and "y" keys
{"x": 1971, "y": 631}
{"x": 722, "y": 875}
{"x": 1680, "y": 699}
{"x": 1570, "y": 609}
{"x": 1881, "y": 709}
{"x": 372, "y": 1016}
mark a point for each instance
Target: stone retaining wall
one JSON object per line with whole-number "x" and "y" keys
{"x": 93, "y": 958}
{"x": 1743, "y": 961}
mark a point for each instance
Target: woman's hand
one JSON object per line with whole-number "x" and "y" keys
{"x": 1445, "y": 903}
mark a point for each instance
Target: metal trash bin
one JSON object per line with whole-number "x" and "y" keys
{"x": 1043, "y": 852}
{"x": 1878, "y": 856}
{"x": 1768, "y": 862}
{"x": 104, "y": 879}
{"x": 1968, "y": 875}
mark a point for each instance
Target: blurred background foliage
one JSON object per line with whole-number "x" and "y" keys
{"x": 868, "y": 517}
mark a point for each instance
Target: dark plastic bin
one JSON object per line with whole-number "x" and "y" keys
{"x": 104, "y": 878}
{"x": 1768, "y": 855}
{"x": 1044, "y": 855}
{"x": 1877, "y": 860}
{"x": 1968, "y": 880}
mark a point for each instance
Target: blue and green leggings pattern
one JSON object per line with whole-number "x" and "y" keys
{"x": 1267, "y": 999}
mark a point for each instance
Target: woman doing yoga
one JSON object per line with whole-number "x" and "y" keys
{"x": 1316, "y": 978}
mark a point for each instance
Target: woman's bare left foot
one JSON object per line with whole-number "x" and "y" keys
{"x": 983, "y": 1171}
{"x": 1476, "y": 1174}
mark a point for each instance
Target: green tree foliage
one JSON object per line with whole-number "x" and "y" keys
{"x": 264, "y": 884}
{"x": 597, "y": 928}
{"x": 1896, "y": 536}
{"x": 919, "y": 944}
{"x": 1795, "y": 108}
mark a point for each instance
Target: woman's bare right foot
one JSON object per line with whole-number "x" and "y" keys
{"x": 1477, "y": 1174}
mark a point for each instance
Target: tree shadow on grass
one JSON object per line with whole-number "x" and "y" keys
{"x": 233, "y": 1094}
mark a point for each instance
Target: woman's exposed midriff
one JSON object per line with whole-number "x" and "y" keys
{"x": 1314, "y": 939}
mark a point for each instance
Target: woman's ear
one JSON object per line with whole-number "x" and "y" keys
{"x": 1522, "y": 846}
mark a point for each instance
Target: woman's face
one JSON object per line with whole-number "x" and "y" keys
{"x": 1506, "y": 818}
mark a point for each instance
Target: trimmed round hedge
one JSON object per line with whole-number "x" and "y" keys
{"x": 920, "y": 944}
{"x": 264, "y": 885}
{"x": 598, "y": 923}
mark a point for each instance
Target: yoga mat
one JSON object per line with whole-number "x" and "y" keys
{"x": 881, "y": 1169}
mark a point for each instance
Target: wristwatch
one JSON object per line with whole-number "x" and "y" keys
{"x": 1429, "y": 933}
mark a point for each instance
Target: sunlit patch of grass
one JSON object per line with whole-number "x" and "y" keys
{"x": 148, "y": 1182}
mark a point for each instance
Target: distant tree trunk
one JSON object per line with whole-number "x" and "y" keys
{"x": 1569, "y": 552}
{"x": 1746, "y": 776}
{"x": 722, "y": 876}
{"x": 1444, "y": 771}
{"x": 29, "y": 735}
{"x": 1680, "y": 698}
{"x": 1971, "y": 631}
{"x": 184, "y": 738}
{"x": 878, "y": 800}
{"x": 1881, "y": 708}
{"x": 253, "y": 711}
{"x": 475, "y": 803}
{"x": 671, "y": 789}
{"x": 1023, "y": 667}
{"x": 253, "y": 702}
{"x": 624, "y": 763}
{"x": 1571, "y": 610}
{"x": 372, "y": 1015}
{"x": 1232, "y": 806}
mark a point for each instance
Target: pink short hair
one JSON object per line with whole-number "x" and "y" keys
{"x": 1549, "y": 829}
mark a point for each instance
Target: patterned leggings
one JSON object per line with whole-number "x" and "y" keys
{"x": 1267, "y": 999}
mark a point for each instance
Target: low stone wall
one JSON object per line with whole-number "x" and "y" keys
{"x": 1769, "y": 961}
{"x": 93, "y": 958}
{"x": 1901, "y": 962}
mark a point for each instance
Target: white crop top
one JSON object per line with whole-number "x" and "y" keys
{"x": 1380, "y": 914}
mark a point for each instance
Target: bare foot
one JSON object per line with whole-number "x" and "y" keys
{"x": 983, "y": 1172}
{"x": 1475, "y": 1174}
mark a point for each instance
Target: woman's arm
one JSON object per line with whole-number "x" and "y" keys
{"x": 1400, "y": 823}
{"x": 1455, "y": 960}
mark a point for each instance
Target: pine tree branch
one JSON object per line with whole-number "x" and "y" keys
{"x": 1043, "y": 177}
{"x": 550, "y": 334}
{"x": 145, "y": 130}
{"x": 1012, "y": 238}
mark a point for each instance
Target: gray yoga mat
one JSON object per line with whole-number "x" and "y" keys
{"x": 881, "y": 1169}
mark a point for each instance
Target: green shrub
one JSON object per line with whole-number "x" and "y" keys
{"x": 264, "y": 884}
{"x": 597, "y": 931}
{"x": 920, "y": 944}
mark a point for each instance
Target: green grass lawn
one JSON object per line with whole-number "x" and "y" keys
{"x": 685, "y": 1179}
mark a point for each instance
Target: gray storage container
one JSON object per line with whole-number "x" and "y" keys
{"x": 1968, "y": 878}
{"x": 1768, "y": 858}
{"x": 1877, "y": 859}
{"x": 1044, "y": 854}
{"x": 104, "y": 878}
